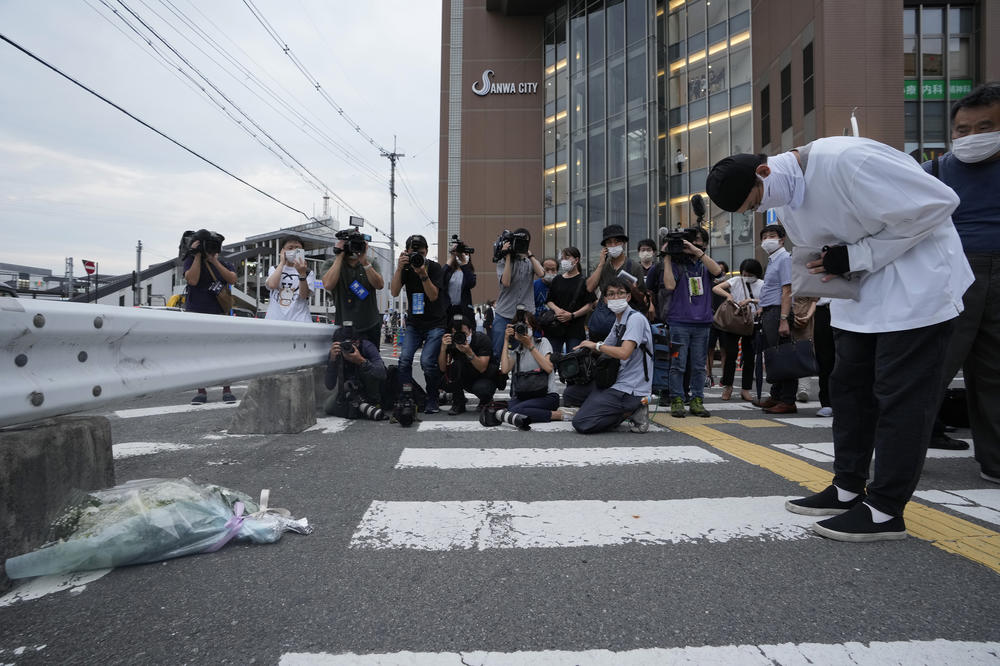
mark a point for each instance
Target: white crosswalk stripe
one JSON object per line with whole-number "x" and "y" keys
{"x": 492, "y": 458}
{"x": 823, "y": 451}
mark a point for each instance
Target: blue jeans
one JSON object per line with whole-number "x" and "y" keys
{"x": 689, "y": 344}
{"x": 499, "y": 329}
{"x": 431, "y": 341}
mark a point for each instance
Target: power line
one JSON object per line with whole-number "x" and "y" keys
{"x": 145, "y": 124}
{"x": 302, "y": 68}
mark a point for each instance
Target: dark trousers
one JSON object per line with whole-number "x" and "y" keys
{"x": 539, "y": 410}
{"x": 558, "y": 344}
{"x": 825, "y": 351}
{"x": 475, "y": 383}
{"x": 771, "y": 319}
{"x": 373, "y": 335}
{"x": 884, "y": 390}
{"x": 730, "y": 342}
{"x": 604, "y": 409}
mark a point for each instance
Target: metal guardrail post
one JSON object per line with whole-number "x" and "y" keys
{"x": 59, "y": 357}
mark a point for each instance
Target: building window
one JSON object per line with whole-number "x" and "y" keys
{"x": 765, "y": 116}
{"x": 807, "y": 79}
{"x": 786, "y": 97}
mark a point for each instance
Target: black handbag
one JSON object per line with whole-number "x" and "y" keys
{"x": 790, "y": 360}
{"x": 528, "y": 385}
{"x": 606, "y": 371}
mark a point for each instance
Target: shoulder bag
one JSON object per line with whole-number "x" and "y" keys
{"x": 528, "y": 385}
{"x": 224, "y": 296}
{"x": 733, "y": 318}
{"x": 790, "y": 360}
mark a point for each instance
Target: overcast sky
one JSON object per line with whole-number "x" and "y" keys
{"x": 78, "y": 178}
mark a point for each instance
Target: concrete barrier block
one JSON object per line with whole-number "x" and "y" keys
{"x": 277, "y": 404}
{"x": 319, "y": 381}
{"x": 40, "y": 465}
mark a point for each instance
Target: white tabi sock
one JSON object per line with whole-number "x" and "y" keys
{"x": 878, "y": 516}
{"x": 844, "y": 495}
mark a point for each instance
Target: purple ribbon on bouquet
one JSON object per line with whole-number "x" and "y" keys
{"x": 232, "y": 528}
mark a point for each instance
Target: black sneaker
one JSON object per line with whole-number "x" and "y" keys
{"x": 943, "y": 441}
{"x": 228, "y": 397}
{"x": 823, "y": 504}
{"x": 457, "y": 408}
{"x": 199, "y": 399}
{"x": 522, "y": 422}
{"x": 857, "y": 525}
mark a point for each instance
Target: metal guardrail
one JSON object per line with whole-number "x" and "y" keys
{"x": 60, "y": 357}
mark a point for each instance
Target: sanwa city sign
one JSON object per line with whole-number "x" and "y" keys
{"x": 487, "y": 86}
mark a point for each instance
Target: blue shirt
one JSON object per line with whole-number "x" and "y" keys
{"x": 777, "y": 275}
{"x": 632, "y": 379}
{"x": 977, "y": 218}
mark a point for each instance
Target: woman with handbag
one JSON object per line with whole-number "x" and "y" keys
{"x": 570, "y": 302}
{"x": 533, "y": 388}
{"x": 742, "y": 292}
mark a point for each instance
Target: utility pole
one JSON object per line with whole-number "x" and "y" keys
{"x": 69, "y": 278}
{"x": 137, "y": 285}
{"x": 393, "y": 156}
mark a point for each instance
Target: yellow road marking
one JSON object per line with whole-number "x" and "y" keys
{"x": 664, "y": 418}
{"x": 947, "y": 532}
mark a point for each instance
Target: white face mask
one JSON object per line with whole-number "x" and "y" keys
{"x": 548, "y": 277}
{"x": 615, "y": 251}
{"x": 750, "y": 279}
{"x": 291, "y": 256}
{"x": 462, "y": 260}
{"x": 973, "y": 148}
{"x": 617, "y": 305}
{"x": 646, "y": 255}
{"x": 785, "y": 186}
{"x": 566, "y": 265}
{"x": 770, "y": 245}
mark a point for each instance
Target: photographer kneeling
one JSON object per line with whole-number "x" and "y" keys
{"x": 356, "y": 375}
{"x": 464, "y": 361}
{"x": 534, "y": 395}
{"x": 615, "y": 396}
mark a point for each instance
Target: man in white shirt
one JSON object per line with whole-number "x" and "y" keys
{"x": 877, "y": 213}
{"x": 289, "y": 284}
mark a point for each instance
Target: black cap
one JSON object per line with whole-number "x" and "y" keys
{"x": 731, "y": 179}
{"x": 614, "y": 231}
{"x": 416, "y": 240}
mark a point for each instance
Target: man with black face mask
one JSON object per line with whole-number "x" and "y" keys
{"x": 879, "y": 217}
{"x": 465, "y": 363}
{"x": 972, "y": 169}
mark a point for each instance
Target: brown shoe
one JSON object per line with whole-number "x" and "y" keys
{"x": 727, "y": 392}
{"x": 746, "y": 395}
{"x": 766, "y": 403}
{"x": 782, "y": 408}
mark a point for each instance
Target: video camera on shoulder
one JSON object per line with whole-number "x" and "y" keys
{"x": 518, "y": 240}
{"x": 210, "y": 243}
{"x": 355, "y": 242}
{"x": 575, "y": 367}
{"x": 458, "y": 246}
{"x": 675, "y": 244}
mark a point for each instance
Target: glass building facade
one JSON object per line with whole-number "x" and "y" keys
{"x": 629, "y": 85}
{"x": 938, "y": 68}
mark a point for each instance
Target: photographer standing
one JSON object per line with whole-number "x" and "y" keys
{"x": 613, "y": 264}
{"x": 459, "y": 278}
{"x": 356, "y": 374}
{"x": 425, "y": 315}
{"x": 464, "y": 361}
{"x": 517, "y": 269}
{"x": 207, "y": 277}
{"x": 289, "y": 283}
{"x": 687, "y": 275}
{"x": 570, "y": 300}
{"x": 353, "y": 279}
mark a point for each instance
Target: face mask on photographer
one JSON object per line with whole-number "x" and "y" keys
{"x": 615, "y": 251}
{"x": 770, "y": 245}
{"x": 617, "y": 305}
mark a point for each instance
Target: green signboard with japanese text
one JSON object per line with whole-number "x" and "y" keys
{"x": 934, "y": 89}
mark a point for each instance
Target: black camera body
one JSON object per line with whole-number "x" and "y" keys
{"x": 575, "y": 367}
{"x": 354, "y": 242}
{"x": 406, "y": 407}
{"x": 347, "y": 347}
{"x": 459, "y": 338}
{"x": 354, "y": 397}
{"x": 521, "y": 328}
{"x": 520, "y": 323}
{"x": 459, "y": 247}
{"x": 416, "y": 259}
{"x": 519, "y": 242}
{"x": 675, "y": 245}
{"x": 211, "y": 242}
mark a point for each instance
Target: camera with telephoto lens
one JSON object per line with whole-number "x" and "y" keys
{"x": 361, "y": 409}
{"x": 520, "y": 323}
{"x": 459, "y": 247}
{"x": 210, "y": 243}
{"x": 458, "y": 336}
{"x": 518, "y": 240}
{"x": 354, "y": 242}
{"x": 406, "y": 407}
{"x": 575, "y": 367}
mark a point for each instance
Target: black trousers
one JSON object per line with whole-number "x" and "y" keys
{"x": 825, "y": 351}
{"x": 730, "y": 342}
{"x": 885, "y": 390}
{"x": 770, "y": 320}
{"x": 477, "y": 384}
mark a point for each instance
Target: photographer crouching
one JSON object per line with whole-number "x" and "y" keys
{"x": 208, "y": 285}
{"x": 622, "y": 374}
{"x": 465, "y": 363}
{"x": 534, "y": 394}
{"x": 356, "y": 375}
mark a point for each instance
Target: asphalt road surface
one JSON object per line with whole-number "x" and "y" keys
{"x": 449, "y": 543}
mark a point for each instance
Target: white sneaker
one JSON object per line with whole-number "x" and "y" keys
{"x": 640, "y": 419}
{"x": 824, "y": 411}
{"x": 802, "y": 396}
{"x": 568, "y": 412}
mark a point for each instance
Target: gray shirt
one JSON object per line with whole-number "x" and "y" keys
{"x": 528, "y": 363}
{"x": 521, "y": 290}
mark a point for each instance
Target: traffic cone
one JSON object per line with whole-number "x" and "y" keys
{"x": 395, "y": 345}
